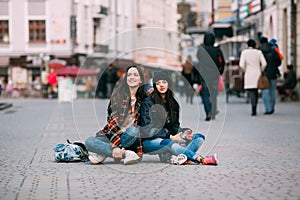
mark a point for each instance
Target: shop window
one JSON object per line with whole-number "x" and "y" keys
{"x": 37, "y": 31}
{"x": 4, "y": 35}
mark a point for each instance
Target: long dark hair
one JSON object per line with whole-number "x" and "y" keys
{"x": 121, "y": 93}
{"x": 170, "y": 103}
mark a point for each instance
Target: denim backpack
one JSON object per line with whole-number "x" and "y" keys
{"x": 70, "y": 152}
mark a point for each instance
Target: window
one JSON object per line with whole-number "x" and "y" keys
{"x": 37, "y": 31}
{"x": 4, "y": 37}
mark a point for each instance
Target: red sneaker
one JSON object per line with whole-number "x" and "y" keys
{"x": 210, "y": 160}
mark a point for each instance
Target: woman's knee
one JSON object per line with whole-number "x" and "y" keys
{"x": 198, "y": 135}
{"x": 133, "y": 131}
{"x": 89, "y": 142}
{"x": 166, "y": 142}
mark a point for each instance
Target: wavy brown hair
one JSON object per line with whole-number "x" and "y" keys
{"x": 121, "y": 93}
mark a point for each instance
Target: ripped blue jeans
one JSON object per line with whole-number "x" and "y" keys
{"x": 101, "y": 144}
{"x": 163, "y": 145}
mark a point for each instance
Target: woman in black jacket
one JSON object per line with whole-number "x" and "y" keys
{"x": 160, "y": 129}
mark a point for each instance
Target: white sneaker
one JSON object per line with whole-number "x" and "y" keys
{"x": 96, "y": 158}
{"x": 181, "y": 159}
{"x": 130, "y": 157}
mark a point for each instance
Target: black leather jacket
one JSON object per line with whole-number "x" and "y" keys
{"x": 153, "y": 123}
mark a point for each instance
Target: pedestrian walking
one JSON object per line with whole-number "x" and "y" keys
{"x": 160, "y": 127}
{"x": 88, "y": 87}
{"x": 252, "y": 63}
{"x": 209, "y": 73}
{"x": 52, "y": 84}
{"x": 273, "y": 62}
{"x": 191, "y": 76}
{"x": 9, "y": 88}
{"x": 120, "y": 137}
{"x": 180, "y": 85}
{"x": 111, "y": 78}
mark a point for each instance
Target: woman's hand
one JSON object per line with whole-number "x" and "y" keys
{"x": 177, "y": 137}
{"x": 187, "y": 135}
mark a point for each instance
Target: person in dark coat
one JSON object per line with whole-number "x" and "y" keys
{"x": 101, "y": 87}
{"x": 273, "y": 62}
{"x": 290, "y": 82}
{"x": 111, "y": 78}
{"x": 211, "y": 66}
{"x": 191, "y": 76}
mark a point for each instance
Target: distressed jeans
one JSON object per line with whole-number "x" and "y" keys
{"x": 163, "y": 145}
{"x": 101, "y": 144}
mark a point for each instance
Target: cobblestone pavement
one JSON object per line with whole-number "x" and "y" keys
{"x": 258, "y": 156}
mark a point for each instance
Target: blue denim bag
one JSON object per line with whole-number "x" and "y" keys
{"x": 70, "y": 152}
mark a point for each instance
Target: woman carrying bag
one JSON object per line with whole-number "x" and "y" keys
{"x": 252, "y": 62}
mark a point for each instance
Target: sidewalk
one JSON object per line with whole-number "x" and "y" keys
{"x": 259, "y": 156}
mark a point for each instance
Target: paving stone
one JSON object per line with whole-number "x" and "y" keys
{"x": 258, "y": 156}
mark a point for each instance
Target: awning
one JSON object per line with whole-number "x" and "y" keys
{"x": 237, "y": 38}
{"x": 55, "y": 60}
{"x": 122, "y": 64}
{"x": 75, "y": 71}
{"x": 56, "y": 65}
{"x": 231, "y": 19}
{"x": 224, "y": 29}
{"x": 197, "y": 30}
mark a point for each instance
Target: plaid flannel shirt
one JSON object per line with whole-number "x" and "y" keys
{"x": 118, "y": 122}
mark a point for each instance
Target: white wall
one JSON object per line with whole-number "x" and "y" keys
{"x": 158, "y": 32}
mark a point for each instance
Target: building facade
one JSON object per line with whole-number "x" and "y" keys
{"x": 288, "y": 32}
{"x": 272, "y": 19}
{"x": 31, "y": 31}
{"x": 156, "y": 34}
{"x": 92, "y": 33}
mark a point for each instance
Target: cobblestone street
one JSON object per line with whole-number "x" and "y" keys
{"x": 258, "y": 156}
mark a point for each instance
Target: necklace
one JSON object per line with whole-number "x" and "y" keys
{"x": 133, "y": 100}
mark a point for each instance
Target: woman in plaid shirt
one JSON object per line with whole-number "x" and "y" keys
{"x": 121, "y": 132}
